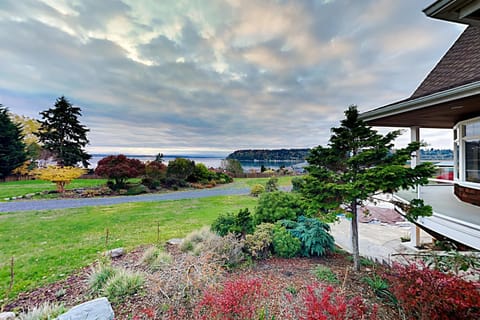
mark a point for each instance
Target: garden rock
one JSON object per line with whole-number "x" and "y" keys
{"x": 175, "y": 241}
{"x": 114, "y": 253}
{"x": 91, "y": 310}
{"x": 7, "y": 316}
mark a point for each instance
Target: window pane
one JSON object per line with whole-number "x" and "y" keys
{"x": 472, "y": 161}
{"x": 472, "y": 129}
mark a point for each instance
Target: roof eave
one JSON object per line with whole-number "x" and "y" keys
{"x": 422, "y": 102}
{"x": 453, "y": 11}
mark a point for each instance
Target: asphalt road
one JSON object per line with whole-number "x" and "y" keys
{"x": 26, "y": 205}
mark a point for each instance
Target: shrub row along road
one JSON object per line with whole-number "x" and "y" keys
{"x": 26, "y": 205}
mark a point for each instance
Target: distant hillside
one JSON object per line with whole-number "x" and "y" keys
{"x": 269, "y": 155}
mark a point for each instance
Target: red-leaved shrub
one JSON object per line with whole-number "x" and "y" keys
{"x": 326, "y": 303}
{"x": 237, "y": 299}
{"x": 430, "y": 294}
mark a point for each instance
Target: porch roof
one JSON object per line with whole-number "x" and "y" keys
{"x": 449, "y": 94}
{"x": 438, "y": 110}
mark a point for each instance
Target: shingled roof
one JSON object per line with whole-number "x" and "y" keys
{"x": 459, "y": 66}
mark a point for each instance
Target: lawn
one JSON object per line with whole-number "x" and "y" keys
{"x": 283, "y": 181}
{"x": 21, "y": 188}
{"x": 48, "y": 245}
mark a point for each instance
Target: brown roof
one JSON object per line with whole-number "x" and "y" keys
{"x": 459, "y": 66}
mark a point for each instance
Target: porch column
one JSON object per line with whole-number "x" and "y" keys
{"x": 415, "y": 137}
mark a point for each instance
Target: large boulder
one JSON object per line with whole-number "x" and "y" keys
{"x": 91, "y": 310}
{"x": 7, "y": 316}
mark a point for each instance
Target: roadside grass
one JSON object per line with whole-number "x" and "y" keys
{"x": 49, "y": 245}
{"x": 283, "y": 181}
{"x": 21, "y": 188}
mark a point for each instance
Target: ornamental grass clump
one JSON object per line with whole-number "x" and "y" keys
{"x": 156, "y": 259}
{"x": 45, "y": 311}
{"x": 122, "y": 285}
{"x": 114, "y": 283}
{"x": 99, "y": 276}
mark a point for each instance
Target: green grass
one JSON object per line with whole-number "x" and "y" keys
{"x": 48, "y": 245}
{"x": 283, "y": 181}
{"x": 21, "y": 188}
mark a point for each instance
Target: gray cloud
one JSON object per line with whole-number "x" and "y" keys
{"x": 222, "y": 75}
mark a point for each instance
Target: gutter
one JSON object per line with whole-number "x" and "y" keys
{"x": 460, "y": 92}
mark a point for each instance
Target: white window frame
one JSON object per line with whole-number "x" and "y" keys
{"x": 459, "y": 142}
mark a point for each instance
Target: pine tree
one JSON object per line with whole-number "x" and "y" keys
{"x": 12, "y": 148}
{"x": 358, "y": 164}
{"x": 62, "y": 134}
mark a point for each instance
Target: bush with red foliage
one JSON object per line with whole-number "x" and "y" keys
{"x": 237, "y": 299}
{"x": 431, "y": 294}
{"x": 326, "y": 303}
{"x": 119, "y": 168}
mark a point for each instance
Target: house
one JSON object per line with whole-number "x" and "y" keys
{"x": 449, "y": 98}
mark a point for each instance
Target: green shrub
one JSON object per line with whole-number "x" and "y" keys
{"x": 239, "y": 223}
{"x": 222, "y": 178}
{"x": 313, "y": 233}
{"x": 278, "y": 205}
{"x": 257, "y": 190}
{"x": 174, "y": 183}
{"x": 297, "y": 184}
{"x": 325, "y": 274}
{"x": 271, "y": 185}
{"x": 45, "y": 311}
{"x": 123, "y": 284}
{"x": 201, "y": 174}
{"x": 137, "y": 189}
{"x": 156, "y": 258}
{"x": 259, "y": 244}
{"x": 180, "y": 168}
{"x": 285, "y": 245}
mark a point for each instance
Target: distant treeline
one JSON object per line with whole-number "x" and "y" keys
{"x": 436, "y": 154}
{"x": 269, "y": 155}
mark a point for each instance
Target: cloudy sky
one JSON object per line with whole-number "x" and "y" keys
{"x": 214, "y": 76}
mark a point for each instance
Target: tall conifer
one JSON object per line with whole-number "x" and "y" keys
{"x": 357, "y": 164}
{"x": 12, "y": 148}
{"x": 63, "y": 135}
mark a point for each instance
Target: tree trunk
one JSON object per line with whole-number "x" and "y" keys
{"x": 355, "y": 247}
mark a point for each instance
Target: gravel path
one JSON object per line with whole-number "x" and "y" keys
{"x": 25, "y": 205}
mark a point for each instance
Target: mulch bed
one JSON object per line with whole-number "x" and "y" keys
{"x": 160, "y": 291}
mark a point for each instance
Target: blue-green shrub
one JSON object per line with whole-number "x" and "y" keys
{"x": 313, "y": 233}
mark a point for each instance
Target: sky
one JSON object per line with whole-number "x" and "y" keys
{"x": 214, "y": 76}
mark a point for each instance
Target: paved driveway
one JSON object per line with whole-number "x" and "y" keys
{"x": 25, "y": 205}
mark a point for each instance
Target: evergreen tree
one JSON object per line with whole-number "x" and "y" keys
{"x": 63, "y": 135}
{"x": 357, "y": 164}
{"x": 12, "y": 148}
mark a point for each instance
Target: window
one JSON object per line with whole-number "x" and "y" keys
{"x": 472, "y": 161}
{"x": 470, "y": 133}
